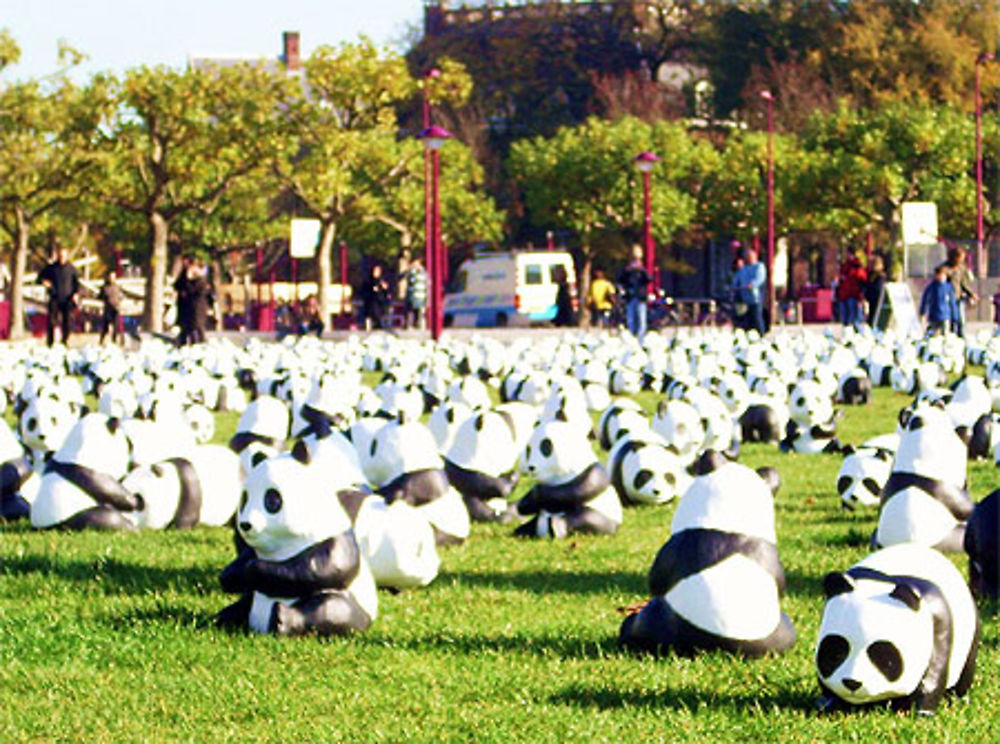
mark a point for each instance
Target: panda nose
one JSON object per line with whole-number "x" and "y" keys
{"x": 851, "y": 684}
{"x": 245, "y": 526}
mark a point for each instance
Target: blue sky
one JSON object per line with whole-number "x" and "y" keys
{"x": 118, "y": 34}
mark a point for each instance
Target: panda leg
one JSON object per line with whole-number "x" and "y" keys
{"x": 237, "y": 615}
{"x": 97, "y": 518}
{"x": 954, "y": 542}
{"x": 328, "y": 613}
{"x": 651, "y": 630}
{"x": 589, "y": 521}
{"x": 527, "y": 529}
{"x": 13, "y": 507}
{"x": 444, "y": 538}
{"x": 480, "y": 511}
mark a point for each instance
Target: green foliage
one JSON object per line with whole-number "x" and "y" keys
{"x": 10, "y": 52}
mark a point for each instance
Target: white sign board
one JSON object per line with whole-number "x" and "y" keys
{"x": 920, "y": 223}
{"x": 896, "y": 309}
{"x": 305, "y": 238}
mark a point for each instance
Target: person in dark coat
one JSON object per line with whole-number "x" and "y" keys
{"x": 873, "y": 287}
{"x": 111, "y": 296}
{"x": 192, "y": 302}
{"x": 564, "y": 300}
{"x": 376, "y": 298}
{"x": 634, "y": 283}
{"x": 63, "y": 283}
{"x": 201, "y": 300}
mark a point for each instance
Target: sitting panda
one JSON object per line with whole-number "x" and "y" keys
{"x": 863, "y": 475}
{"x": 263, "y": 427}
{"x": 680, "y": 426}
{"x": 812, "y": 424}
{"x": 854, "y": 388}
{"x": 300, "y": 570}
{"x": 15, "y": 469}
{"x": 403, "y": 463}
{"x": 718, "y": 579}
{"x": 899, "y": 629}
{"x": 201, "y": 488}
{"x": 622, "y": 416}
{"x": 924, "y": 501}
{"x": 644, "y": 471}
{"x": 482, "y": 465}
{"x": 80, "y": 485}
{"x": 573, "y": 492}
{"x": 982, "y": 543}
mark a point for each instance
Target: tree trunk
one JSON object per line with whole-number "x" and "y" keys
{"x": 22, "y": 232}
{"x": 156, "y": 279}
{"x": 324, "y": 270}
{"x": 583, "y": 283}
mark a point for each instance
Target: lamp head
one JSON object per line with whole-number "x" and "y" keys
{"x": 645, "y": 161}
{"x": 435, "y": 137}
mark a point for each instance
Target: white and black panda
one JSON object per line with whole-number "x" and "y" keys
{"x": 924, "y": 501}
{"x": 717, "y": 582}
{"x": 763, "y": 421}
{"x": 812, "y": 425}
{"x": 680, "y": 426}
{"x": 623, "y": 415}
{"x": 862, "y": 476}
{"x": 645, "y": 471}
{"x": 263, "y": 427}
{"x": 15, "y": 470}
{"x": 300, "y": 569}
{"x": 573, "y": 492}
{"x": 982, "y": 543}
{"x": 854, "y": 388}
{"x": 80, "y": 486}
{"x": 899, "y": 629}
{"x": 403, "y": 462}
{"x": 482, "y": 465}
{"x": 44, "y": 424}
{"x": 201, "y": 488}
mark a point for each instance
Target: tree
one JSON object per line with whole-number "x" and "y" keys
{"x": 180, "y": 142}
{"x": 46, "y": 161}
{"x": 584, "y": 179}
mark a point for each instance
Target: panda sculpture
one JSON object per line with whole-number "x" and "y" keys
{"x": 854, "y": 388}
{"x": 623, "y": 415}
{"x": 202, "y": 487}
{"x": 982, "y": 543}
{"x": 263, "y": 427}
{"x": 717, "y": 581}
{"x": 924, "y": 501}
{"x": 482, "y": 465}
{"x": 812, "y": 425}
{"x": 300, "y": 569}
{"x": 678, "y": 422}
{"x": 80, "y": 486}
{"x": 862, "y": 476}
{"x": 645, "y": 471}
{"x": 573, "y": 492}
{"x": 899, "y": 629}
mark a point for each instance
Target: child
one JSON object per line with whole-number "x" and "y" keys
{"x": 938, "y": 303}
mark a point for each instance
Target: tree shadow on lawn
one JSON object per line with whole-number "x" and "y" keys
{"x": 114, "y": 576}
{"x": 554, "y": 582}
{"x": 564, "y": 647}
{"x": 604, "y": 699}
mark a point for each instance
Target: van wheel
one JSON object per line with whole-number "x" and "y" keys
{"x": 501, "y": 320}
{"x": 448, "y": 321}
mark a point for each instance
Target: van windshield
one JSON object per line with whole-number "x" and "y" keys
{"x": 533, "y": 274}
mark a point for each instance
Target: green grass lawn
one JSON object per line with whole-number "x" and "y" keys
{"x": 109, "y": 638}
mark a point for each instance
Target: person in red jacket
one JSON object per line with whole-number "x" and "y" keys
{"x": 850, "y": 290}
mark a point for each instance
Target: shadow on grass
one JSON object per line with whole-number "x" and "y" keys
{"x": 163, "y": 615}
{"x": 605, "y": 699}
{"x": 852, "y": 538}
{"x": 565, "y": 582}
{"x": 114, "y": 576}
{"x": 542, "y": 646}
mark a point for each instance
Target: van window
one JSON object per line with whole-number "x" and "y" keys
{"x": 459, "y": 282}
{"x": 557, "y": 272}
{"x": 532, "y": 274}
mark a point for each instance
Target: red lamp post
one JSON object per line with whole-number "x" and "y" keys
{"x": 428, "y": 218}
{"x": 645, "y": 161}
{"x": 982, "y": 59}
{"x": 769, "y": 99}
{"x": 434, "y": 139}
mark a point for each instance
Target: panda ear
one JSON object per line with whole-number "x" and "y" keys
{"x": 301, "y": 452}
{"x": 907, "y": 596}
{"x": 479, "y": 422}
{"x": 561, "y": 415}
{"x": 709, "y": 461}
{"x": 837, "y": 583}
{"x": 84, "y": 410}
{"x": 157, "y": 470}
{"x": 661, "y": 409}
{"x": 257, "y": 458}
{"x": 883, "y": 455}
{"x": 113, "y": 424}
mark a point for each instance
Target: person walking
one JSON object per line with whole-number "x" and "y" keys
{"x": 938, "y": 303}
{"x": 748, "y": 284}
{"x": 873, "y": 287}
{"x": 415, "y": 300}
{"x": 63, "y": 283}
{"x": 111, "y": 295}
{"x": 600, "y": 299}
{"x": 565, "y": 317}
{"x": 961, "y": 280}
{"x": 634, "y": 283}
{"x": 376, "y": 298}
{"x": 201, "y": 300}
{"x": 850, "y": 290}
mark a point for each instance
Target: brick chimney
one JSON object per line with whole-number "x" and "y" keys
{"x": 291, "y": 56}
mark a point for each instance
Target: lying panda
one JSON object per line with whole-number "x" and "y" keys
{"x": 899, "y": 628}
{"x": 717, "y": 581}
{"x": 982, "y": 543}
{"x": 573, "y": 492}
{"x": 301, "y": 570}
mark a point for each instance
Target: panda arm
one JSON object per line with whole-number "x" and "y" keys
{"x": 581, "y": 489}
{"x": 331, "y": 564}
{"x": 233, "y": 577}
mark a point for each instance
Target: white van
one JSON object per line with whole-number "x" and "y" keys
{"x": 500, "y": 289}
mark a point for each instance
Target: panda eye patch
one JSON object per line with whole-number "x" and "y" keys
{"x": 670, "y": 478}
{"x": 546, "y": 447}
{"x": 872, "y": 485}
{"x": 887, "y": 659}
{"x": 843, "y": 483}
{"x": 30, "y": 426}
{"x": 244, "y": 498}
{"x": 642, "y": 478}
{"x": 272, "y": 501}
{"x": 374, "y": 447}
{"x": 800, "y": 402}
{"x": 832, "y": 652}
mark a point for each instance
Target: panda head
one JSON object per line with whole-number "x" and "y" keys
{"x": 267, "y": 417}
{"x": 96, "y": 442}
{"x": 808, "y": 403}
{"x": 680, "y": 426}
{"x": 930, "y": 447}
{"x": 728, "y": 497}
{"x": 201, "y": 421}
{"x": 284, "y": 510}
{"x": 862, "y": 476}
{"x": 45, "y": 422}
{"x": 647, "y": 472}
{"x": 484, "y": 443}
{"x": 875, "y": 640}
{"x": 445, "y": 420}
{"x": 399, "y": 448}
{"x": 556, "y": 452}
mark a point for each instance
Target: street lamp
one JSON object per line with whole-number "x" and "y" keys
{"x": 645, "y": 161}
{"x": 769, "y": 99}
{"x": 431, "y": 74}
{"x": 434, "y": 139}
{"x": 982, "y": 59}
